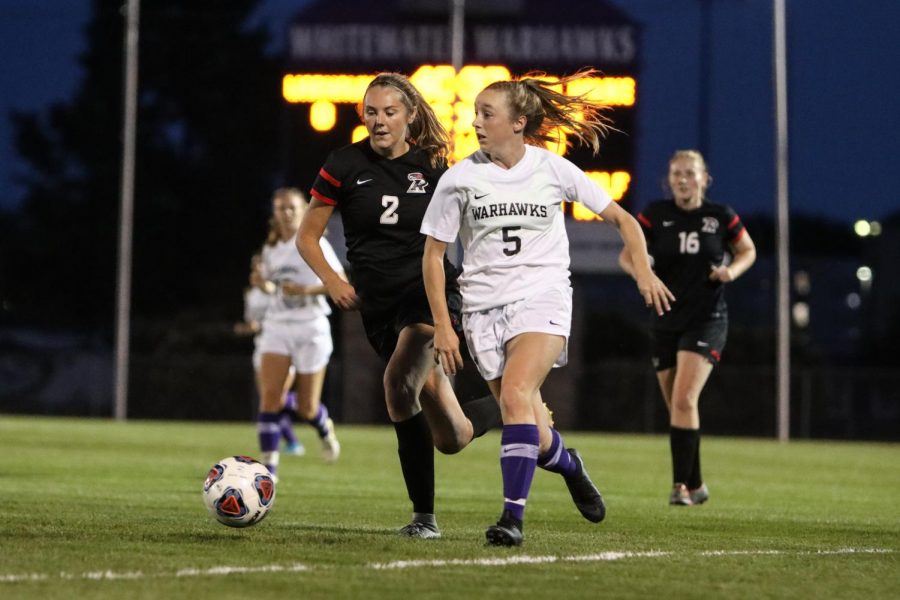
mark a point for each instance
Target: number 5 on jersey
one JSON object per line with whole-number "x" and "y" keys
{"x": 389, "y": 216}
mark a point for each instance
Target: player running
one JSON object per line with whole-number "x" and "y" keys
{"x": 382, "y": 185}
{"x": 689, "y": 239}
{"x": 295, "y": 332}
{"x": 505, "y": 204}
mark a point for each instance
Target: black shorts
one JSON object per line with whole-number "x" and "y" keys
{"x": 707, "y": 339}
{"x": 383, "y": 327}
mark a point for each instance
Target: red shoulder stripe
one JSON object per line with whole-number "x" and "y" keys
{"x": 739, "y": 235}
{"x": 644, "y": 221}
{"x": 327, "y": 177}
{"x": 323, "y": 198}
{"x": 734, "y": 222}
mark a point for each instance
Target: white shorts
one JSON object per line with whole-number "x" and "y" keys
{"x": 308, "y": 343}
{"x": 488, "y": 331}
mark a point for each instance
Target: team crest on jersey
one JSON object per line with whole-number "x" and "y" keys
{"x": 418, "y": 184}
{"x": 710, "y": 225}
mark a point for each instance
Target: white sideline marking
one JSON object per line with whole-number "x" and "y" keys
{"x": 523, "y": 559}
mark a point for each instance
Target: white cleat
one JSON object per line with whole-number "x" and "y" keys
{"x": 331, "y": 447}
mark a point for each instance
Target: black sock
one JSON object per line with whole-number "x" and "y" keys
{"x": 484, "y": 413}
{"x": 696, "y": 479}
{"x": 416, "y": 452}
{"x": 684, "y": 446}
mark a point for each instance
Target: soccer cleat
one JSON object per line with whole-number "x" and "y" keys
{"x": 295, "y": 449}
{"x": 421, "y": 531}
{"x": 331, "y": 448}
{"x": 507, "y": 531}
{"x": 680, "y": 495}
{"x": 699, "y": 495}
{"x": 584, "y": 493}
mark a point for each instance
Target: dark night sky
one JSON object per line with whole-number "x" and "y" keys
{"x": 844, "y": 57}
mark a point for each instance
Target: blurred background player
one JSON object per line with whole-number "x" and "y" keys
{"x": 295, "y": 331}
{"x": 256, "y": 302}
{"x": 382, "y": 185}
{"x": 690, "y": 240}
{"x": 505, "y": 204}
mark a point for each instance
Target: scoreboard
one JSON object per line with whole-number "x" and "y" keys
{"x": 334, "y": 50}
{"x": 452, "y": 96}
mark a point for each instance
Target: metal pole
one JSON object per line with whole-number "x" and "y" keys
{"x": 705, "y": 69}
{"x": 126, "y": 217}
{"x": 457, "y": 48}
{"x": 457, "y": 30}
{"x": 783, "y": 246}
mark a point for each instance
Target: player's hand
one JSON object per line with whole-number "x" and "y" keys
{"x": 344, "y": 295}
{"x": 721, "y": 273}
{"x": 446, "y": 349}
{"x": 655, "y": 292}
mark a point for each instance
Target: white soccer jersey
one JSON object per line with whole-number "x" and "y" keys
{"x": 510, "y": 223}
{"x": 282, "y": 263}
{"x": 256, "y": 303}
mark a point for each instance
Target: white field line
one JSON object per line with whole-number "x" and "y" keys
{"x": 523, "y": 559}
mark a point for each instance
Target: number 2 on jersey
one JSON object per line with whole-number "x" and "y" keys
{"x": 688, "y": 243}
{"x": 389, "y": 216}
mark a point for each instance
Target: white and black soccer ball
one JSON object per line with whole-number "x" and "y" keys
{"x": 239, "y": 491}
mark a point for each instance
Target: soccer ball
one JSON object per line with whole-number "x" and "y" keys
{"x": 239, "y": 491}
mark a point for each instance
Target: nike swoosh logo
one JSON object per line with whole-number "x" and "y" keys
{"x": 702, "y": 344}
{"x": 668, "y": 223}
{"x": 477, "y": 197}
{"x": 554, "y": 323}
{"x": 362, "y": 181}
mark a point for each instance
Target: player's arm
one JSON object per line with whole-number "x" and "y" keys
{"x": 653, "y": 290}
{"x": 744, "y": 251}
{"x": 446, "y": 344}
{"x": 312, "y": 228}
{"x": 295, "y": 289}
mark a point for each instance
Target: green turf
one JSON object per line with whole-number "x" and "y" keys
{"x": 98, "y": 509}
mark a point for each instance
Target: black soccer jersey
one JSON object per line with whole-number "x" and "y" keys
{"x": 382, "y": 203}
{"x": 685, "y": 245}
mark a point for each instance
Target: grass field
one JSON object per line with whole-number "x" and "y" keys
{"x": 98, "y": 509}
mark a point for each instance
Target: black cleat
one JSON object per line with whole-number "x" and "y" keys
{"x": 507, "y": 531}
{"x": 584, "y": 493}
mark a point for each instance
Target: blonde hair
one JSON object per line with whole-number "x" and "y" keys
{"x": 689, "y": 154}
{"x": 283, "y": 192}
{"x": 546, "y": 109}
{"x": 426, "y": 132}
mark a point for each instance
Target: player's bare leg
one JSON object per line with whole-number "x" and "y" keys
{"x": 691, "y": 374}
{"x": 310, "y": 409}
{"x": 404, "y": 378}
{"x": 273, "y": 371}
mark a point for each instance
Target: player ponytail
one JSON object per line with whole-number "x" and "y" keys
{"x": 546, "y": 109}
{"x": 426, "y": 132}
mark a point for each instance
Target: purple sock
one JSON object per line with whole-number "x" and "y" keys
{"x": 267, "y": 428}
{"x": 286, "y": 425}
{"x": 557, "y": 459}
{"x": 518, "y": 457}
{"x": 320, "y": 421}
{"x": 290, "y": 401}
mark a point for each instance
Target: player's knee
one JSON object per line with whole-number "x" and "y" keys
{"x": 399, "y": 385}
{"x": 515, "y": 398}
{"x": 684, "y": 403}
{"x": 447, "y": 444}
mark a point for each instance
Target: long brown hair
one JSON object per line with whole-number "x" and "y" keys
{"x": 426, "y": 132}
{"x": 546, "y": 109}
